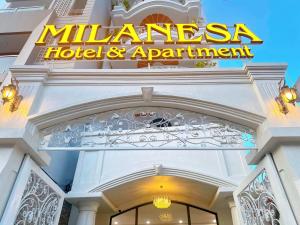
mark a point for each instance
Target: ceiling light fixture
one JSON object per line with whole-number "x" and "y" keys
{"x": 162, "y": 202}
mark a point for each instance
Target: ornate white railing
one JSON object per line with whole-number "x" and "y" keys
{"x": 261, "y": 198}
{"x": 257, "y": 202}
{"x": 147, "y": 128}
{"x": 61, "y": 8}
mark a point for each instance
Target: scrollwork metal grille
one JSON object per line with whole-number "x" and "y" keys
{"x": 257, "y": 202}
{"x": 39, "y": 204}
{"x": 147, "y": 128}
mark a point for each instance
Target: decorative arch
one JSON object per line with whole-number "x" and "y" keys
{"x": 165, "y": 171}
{"x": 156, "y": 18}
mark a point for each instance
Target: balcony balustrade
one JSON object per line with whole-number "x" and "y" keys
{"x": 22, "y": 9}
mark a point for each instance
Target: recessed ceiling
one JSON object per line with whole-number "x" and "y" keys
{"x": 180, "y": 189}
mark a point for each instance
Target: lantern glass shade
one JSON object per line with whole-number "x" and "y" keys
{"x": 9, "y": 92}
{"x": 288, "y": 95}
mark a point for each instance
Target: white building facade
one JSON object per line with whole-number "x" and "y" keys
{"x": 93, "y": 143}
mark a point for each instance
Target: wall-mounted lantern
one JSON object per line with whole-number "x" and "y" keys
{"x": 10, "y": 94}
{"x": 286, "y": 96}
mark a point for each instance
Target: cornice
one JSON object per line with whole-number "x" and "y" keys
{"x": 179, "y": 76}
{"x": 268, "y": 71}
{"x": 186, "y": 76}
{"x": 30, "y": 73}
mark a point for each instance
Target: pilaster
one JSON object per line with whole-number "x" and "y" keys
{"x": 286, "y": 159}
{"x": 277, "y": 127}
{"x": 87, "y": 212}
{"x": 234, "y": 212}
{"x": 13, "y": 125}
{"x": 10, "y": 162}
{"x": 87, "y": 205}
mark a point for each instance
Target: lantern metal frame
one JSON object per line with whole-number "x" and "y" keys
{"x": 281, "y": 100}
{"x": 16, "y": 99}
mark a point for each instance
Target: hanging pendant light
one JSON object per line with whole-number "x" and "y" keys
{"x": 162, "y": 202}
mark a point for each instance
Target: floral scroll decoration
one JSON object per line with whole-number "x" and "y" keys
{"x": 257, "y": 202}
{"x": 39, "y": 204}
{"x": 147, "y": 128}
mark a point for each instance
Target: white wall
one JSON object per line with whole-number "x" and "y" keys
{"x": 240, "y": 96}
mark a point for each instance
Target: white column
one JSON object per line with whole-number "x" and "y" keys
{"x": 10, "y": 163}
{"x": 87, "y": 212}
{"x": 234, "y": 213}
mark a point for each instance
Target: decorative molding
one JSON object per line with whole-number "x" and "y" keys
{"x": 215, "y": 181}
{"x": 30, "y": 73}
{"x": 270, "y": 71}
{"x": 48, "y": 119}
{"x": 117, "y": 77}
{"x": 147, "y": 93}
{"x": 178, "y": 76}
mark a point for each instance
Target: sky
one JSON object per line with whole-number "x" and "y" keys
{"x": 276, "y": 22}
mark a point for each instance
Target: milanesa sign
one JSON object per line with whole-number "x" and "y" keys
{"x": 181, "y": 41}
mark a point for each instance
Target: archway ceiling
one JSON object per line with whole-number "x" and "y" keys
{"x": 143, "y": 190}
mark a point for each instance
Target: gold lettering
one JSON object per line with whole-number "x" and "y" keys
{"x": 127, "y": 31}
{"x": 218, "y": 29}
{"x": 244, "y": 31}
{"x": 187, "y": 29}
{"x": 63, "y": 32}
{"x": 165, "y": 31}
{"x": 93, "y": 36}
{"x": 139, "y": 51}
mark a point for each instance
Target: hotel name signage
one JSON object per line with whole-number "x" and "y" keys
{"x": 181, "y": 41}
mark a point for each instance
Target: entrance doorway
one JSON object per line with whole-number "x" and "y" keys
{"x": 177, "y": 214}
